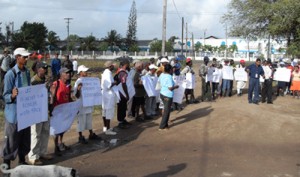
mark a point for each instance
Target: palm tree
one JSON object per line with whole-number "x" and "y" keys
{"x": 113, "y": 39}
{"x": 52, "y": 40}
{"x": 88, "y": 43}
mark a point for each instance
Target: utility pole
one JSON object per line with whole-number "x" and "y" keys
{"x": 193, "y": 46}
{"x": 186, "y": 37}
{"x": 204, "y": 35}
{"x": 68, "y": 30}
{"x": 182, "y": 32}
{"x": 226, "y": 42}
{"x": 164, "y": 29}
{"x": 269, "y": 47}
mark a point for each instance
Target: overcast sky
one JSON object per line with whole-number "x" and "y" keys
{"x": 97, "y": 17}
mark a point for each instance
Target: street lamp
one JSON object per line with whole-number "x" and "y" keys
{"x": 68, "y": 30}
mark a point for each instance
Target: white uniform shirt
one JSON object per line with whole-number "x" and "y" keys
{"x": 75, "y": 65}
{"x": 268, "y": 72}
{"x": 108, "y": 95}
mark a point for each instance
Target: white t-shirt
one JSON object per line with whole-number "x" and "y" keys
{"x": 75, "y": 65}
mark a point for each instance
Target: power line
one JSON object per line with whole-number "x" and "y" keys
{"x": 176, "y": 9}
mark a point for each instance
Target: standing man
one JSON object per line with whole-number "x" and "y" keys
{"x": 15, "y": 142}
{"x": 39, "y": 132}
{"x": 121, "y": 78}
{"x": 61, "y": 93}
{"x": 267, "y": 86}
{"x": 255, "y": 71}
{"x": 240, "y": 85}
{"x": 108, "y": 97}
{"x": 202, "y": 73}
{"x": 67, "y": 63}
{"x": 55, "y": 67}
{"x": 75, "y": 66}
{"x": 5, "y": 62}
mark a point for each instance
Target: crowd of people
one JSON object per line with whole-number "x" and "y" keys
{"x": 144, "y": 90}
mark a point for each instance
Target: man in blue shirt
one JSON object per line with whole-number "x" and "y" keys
{"x": 255, "y": 71}
{"x": 55, "y": 67}
{"x": 15, "y": 142}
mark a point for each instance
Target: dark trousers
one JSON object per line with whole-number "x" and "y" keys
{"x": 167, "y": 109}
{"x": 16, "y": 143}
{"x": 231, "y": 88}
{"x": 2, "y": 74}
{"x": 267, "y": 91}
{"x": 214, "y": 89}
{"x": 122, "y": 107}
{"x": 253, "y": 87}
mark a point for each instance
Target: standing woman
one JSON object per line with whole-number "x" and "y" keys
{"x": 166, "y": 94}
{"x": 295, "y": 87}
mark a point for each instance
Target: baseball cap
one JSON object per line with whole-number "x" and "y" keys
{"x": 152, "y": 66}
{"x": 82, "y": 68}
{"x": 108, "y": 64}
{"x": 188, "y": 60}
{"x": 64, "y": 70}
{"x": 242, "y": 61}
{"x": 21, "y": 51}
{"x": 164, "y": 60}
{"x": 41, "y": 65}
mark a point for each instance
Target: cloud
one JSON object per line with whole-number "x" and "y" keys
{"x": 99, "y": 17}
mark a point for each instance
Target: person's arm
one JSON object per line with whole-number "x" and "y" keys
{"x": 10, "y": 91}
{"x": 184, "y": 71}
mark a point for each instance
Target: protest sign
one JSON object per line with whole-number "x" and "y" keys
{"x": 179, "y": 92}
{"x": 240, "y": 75}
{"x": 32, "y": 105}
{"x": 190, "y": 80}
{"x": 282, "y": 74}
{"x": 227, "y": 72}
{"x": 130, "y": 87}
{"x": 91, "y": 91}
{"x": 149, "y": 85}
{"x": 63, "y": 117}
{"x": 217, "y": 76}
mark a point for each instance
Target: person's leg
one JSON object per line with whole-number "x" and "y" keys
{"x": 10, "y": 145}
{"x": 256, "y": 91}
{"x": 250, "y": 90}
{"x": 166, "y": 113}
{"x": 35, "y": 145}
{"x": 269, "y": 91}
{"x": 24, "y": 144}
{"x": 45, "y": 133}
{"x": 264, "y": 91}
{"x": 153, "y": 106}
{"x": 148, "y": 105}
{"x": 225, "y": 83}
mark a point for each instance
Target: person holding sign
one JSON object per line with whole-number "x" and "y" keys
{"x": 151, "y": 100}
{"x": 241, "y": 84}
{"x": 202, "y": 73}
{"x": 39, "y": 132}
{"x": 15, "y": 143}
{"x": 60, "y": 93}
{"x": 166, "y": 93}
{"x": 108, "y": 97}
{"x": 255, "y": 71}
{"x": 227, "y": 73}
{"x": 188, "y": 69}
{"x": 85, "y": 115}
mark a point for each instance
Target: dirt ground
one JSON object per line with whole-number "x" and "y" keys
{"x": 226, "y": 138}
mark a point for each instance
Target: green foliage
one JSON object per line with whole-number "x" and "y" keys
{"x": 132, "y": 27}
{"x": 113, "y": 39}
{"x": 134, "y": 48}
{"x": 52, "y": 40}
{"x": 73, "y": 40}
{"x": 88, "y": 43}
{"x": 156, "y": 45}
{"x": 31, "y": 36}
{"x": 198, "y": 46}
{"x": 103, "y": 46}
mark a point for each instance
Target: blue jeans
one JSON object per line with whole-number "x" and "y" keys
{"x": 253, "y": 86}
{"x": 226, "y": 87}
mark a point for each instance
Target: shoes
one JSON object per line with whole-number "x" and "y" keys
{"x": 46, "y": 157}
{"x": 126, "y": 123}
{"x": 269, "y": 102}
{"x": 35, "y": 162}
{"x": 63, "y": 147}
{"x": 195, "y": 101}
{"x": 255, "y": 102}
{"x": 82, "y": 140}
{"x": 110, "y": 132}
{"x": 187, "y": 102}
{"x": 139, "y": 119}
{"x": 57, "y": 152}
{"x": 94, "y": 137}
{"x": 148, "y": 117}
{"x": 123, "y": 126}
{"x": 263, "y": 101}
{"x": 163, "y": 129}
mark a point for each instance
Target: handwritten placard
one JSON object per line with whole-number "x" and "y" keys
{"x": 32, "y": 105}
{"x": 190, "y": 80}
{"x": 149, "y": 85}
{"x": 179, "y": 92}
{"x": 240, "y": 74}
{"x": 282, "y": 74}
{"x": 227, "y": 72}
{"x": 91, "y": 91}
{"x": 63, "y": 117}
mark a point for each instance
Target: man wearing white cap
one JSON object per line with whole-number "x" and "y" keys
{"x": 161, "y": 69}
{"x": 15, "y": 142}
{"x": 130, "y": 104}
{"x": 151, "y": 101}
{"x": 85, "y": 115}
{"x": 108, "y": 97}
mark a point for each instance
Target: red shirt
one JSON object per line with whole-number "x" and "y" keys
{"x": 63, "y": 94}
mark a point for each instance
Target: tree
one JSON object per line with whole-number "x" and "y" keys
{"x": 113, "y": 39}
{"x": 73, "y": 41}
{"x": 31, "y": 36}
{"x": 52, "y": 40}
{"x": 198, "y": 46}
{"x": 88, "y": 43}
{"x": 173, "y": 38}
{"x": 103, "y": 46}
{"x": 134, "y": 48}
{"x": 132, "y": 27}
{"x": 156, "y": 45}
